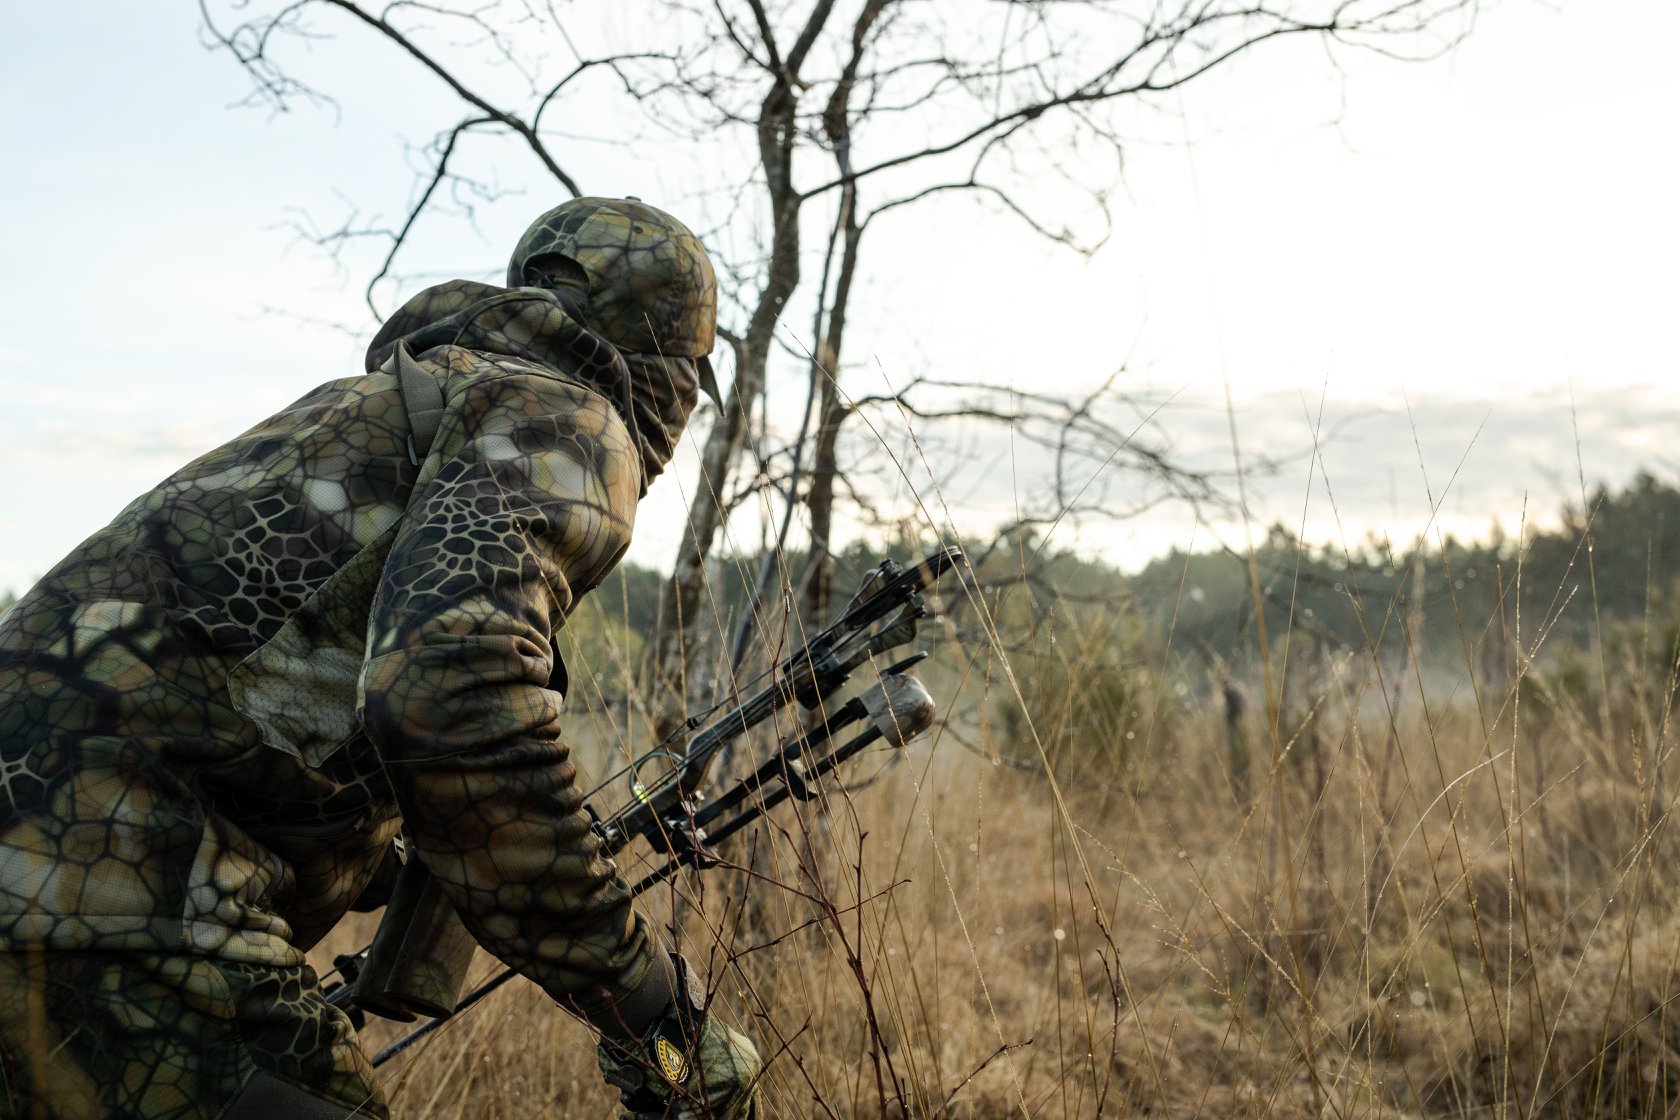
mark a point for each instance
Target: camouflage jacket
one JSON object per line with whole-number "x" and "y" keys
{"x": 216, "y": 713}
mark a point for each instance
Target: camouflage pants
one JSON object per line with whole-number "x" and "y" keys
{"x": 149, "y": 1036}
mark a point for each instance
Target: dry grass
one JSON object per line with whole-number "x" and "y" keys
{"x": 1428, "y": 896}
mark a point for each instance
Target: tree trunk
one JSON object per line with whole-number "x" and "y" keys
{"x": 684, "y": 630}
{"x": 831, "y": 414}
{"x": 826, "y": 369}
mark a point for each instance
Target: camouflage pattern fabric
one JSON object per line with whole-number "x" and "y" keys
{"x": 90, "y": 1036}
{"x": 217, "y": 712}
{"x": 652, "y": 392}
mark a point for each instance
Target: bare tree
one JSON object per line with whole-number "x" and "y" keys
{"x": 815, "y": 117}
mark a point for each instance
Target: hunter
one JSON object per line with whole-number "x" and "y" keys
{"x": 219, "y": 712}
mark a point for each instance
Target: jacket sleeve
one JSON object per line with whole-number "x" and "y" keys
{"x": 526, "y": 501}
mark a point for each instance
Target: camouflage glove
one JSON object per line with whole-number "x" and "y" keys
{"x": 688, "y": 1065}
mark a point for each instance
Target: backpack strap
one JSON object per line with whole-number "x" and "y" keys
{"x": 421, "y": 397}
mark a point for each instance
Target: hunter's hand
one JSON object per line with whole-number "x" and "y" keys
{"x": 690, "y": 1065}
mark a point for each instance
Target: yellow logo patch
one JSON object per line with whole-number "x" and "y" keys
{"x": 672, "y": 1063}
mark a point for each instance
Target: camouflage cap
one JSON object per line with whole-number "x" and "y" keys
{"x": 650, "y": 285}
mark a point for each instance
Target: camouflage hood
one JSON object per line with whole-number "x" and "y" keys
{"x": 653, "y": 394}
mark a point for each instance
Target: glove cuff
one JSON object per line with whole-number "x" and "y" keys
{"x": 630, "y": 1014}
{"x": 688, "y": 1064}
{"x": 649, "y": 1067}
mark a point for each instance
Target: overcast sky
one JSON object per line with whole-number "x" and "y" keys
{"x": 1464, "y": 270}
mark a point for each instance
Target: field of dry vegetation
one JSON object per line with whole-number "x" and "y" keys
{"x": 1331, "y": 884}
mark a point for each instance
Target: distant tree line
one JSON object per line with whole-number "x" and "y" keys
{"x": 1613, "y": 560}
